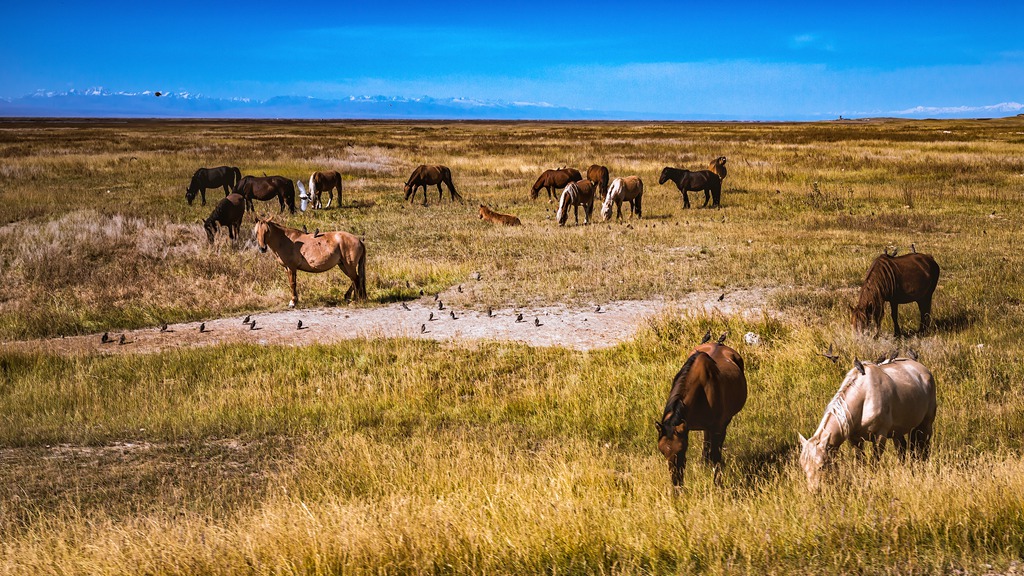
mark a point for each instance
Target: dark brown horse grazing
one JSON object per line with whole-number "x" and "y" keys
{"x": 296, "y": 250}
{"x": 267, "y": 188}
{"x": 425, "y": 176}
{"x": 226, "y": 176}
{"x": 228, "y": 213}
{"x": 552, "y": 180}
{"x": 687, "y": 181}
{"x": 896, "y": 280}
{"x": 718, "y": 167}
{"x": 320, "y": 182}
{"x": 706, "y": 393}
{"x": 599, "y": 175}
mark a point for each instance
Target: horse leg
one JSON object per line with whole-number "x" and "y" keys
{"x": 576, "y": 213}
{"x": 713, "y": 452}
{"x": 686, "y": 199}
{"x": 440, "y": 193}
{"x": 895, "y": 319}
{"x": 707, "y": 198}
{"x": 920, "y": 442}
{"x": 716, "y": 196}
{"x": 858, "y": 447}
{"x": 226, "y": 192}
{"x": 424, "y": 194}
{"x": 877, "y": 447}
{"x": 280, "y": 199}
{"x": 901, "y": 447}
{"x": 637, "y": 205}
{"x": 924, "y": 306}
{"x": 618, "y": 210}
{"x": 202, "y": 194}
{"x": 292, "y": 273}
{"x": 588, "y": 209}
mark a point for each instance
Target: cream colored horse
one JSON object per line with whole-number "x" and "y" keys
{"x": 296, "y": 250}
{"x": 874, "y": 402}
{"x": 629, "y": 189}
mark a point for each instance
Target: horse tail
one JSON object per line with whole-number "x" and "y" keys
{"x": 236, "y": 176}
{"x": 361, "y": 275}
{"x": 312, "y": 185}
{"x": 448, "y": 181}
{"x": 289, "y": 196}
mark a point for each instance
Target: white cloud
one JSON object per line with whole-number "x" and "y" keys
{"x": 1001, "y": 108}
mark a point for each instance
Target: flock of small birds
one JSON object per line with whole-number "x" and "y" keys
{"x": 490, "y": 314}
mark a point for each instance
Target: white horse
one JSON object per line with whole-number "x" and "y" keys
{"x": 629, "y": 189}
{"x": 575, "y": 194}
{"x": 874, "y": 402}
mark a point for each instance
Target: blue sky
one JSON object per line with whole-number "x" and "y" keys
{"x": 721, "y": 59}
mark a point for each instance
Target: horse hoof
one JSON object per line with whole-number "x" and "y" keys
{"x": 291, "y": 304}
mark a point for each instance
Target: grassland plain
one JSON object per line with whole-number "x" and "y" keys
{"x": 403, "y": 456}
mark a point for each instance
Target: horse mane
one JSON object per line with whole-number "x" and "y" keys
{"x": 880, "y": 277}
{"x": 675, "y": 396}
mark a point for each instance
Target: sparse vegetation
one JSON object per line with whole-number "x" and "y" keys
{"x": 406, "y": 456}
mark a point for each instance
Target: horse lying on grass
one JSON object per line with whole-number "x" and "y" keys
{"x": 498, "y": 218}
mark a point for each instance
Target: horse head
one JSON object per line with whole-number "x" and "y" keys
{"x": 673, "y": 440}
{"x": 613, "y": 190}
{"x": 190, "y": 192}
{"x": 261, "y": 229}
{"x": 664, "y": 175}
{"x": 211, "y": 228}
{"x": 812, "y": 459}
{"x": 562, "y": 215}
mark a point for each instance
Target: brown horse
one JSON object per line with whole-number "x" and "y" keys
{"x": 706, "y": 393}
{"x": 552, "y": 180}
{"x": 320, "y": 182}
{"x": 497, "y": 217}
{"x": 599, "y": 175}
{"x": 629, "y": 189}
{"x": 228, "y": 213}
{"x": 718, "y": 167}
{"x": 267, "y": 188}
{"x": 896, "y": 280}
{"x": 296, "y": 250}
{"x": 425, "y": 176}
{"x": 576, "y": 194}
{"x": 685, "y": 180}
{"x": 203, "y": 178}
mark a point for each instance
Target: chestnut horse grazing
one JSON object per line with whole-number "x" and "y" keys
{"x": 296, "y": 250}
{"x": 320, "y": 182}
{"x": 874, "y": 402}
{"x": 896, "y": 280}
{"x": 718, "y": 167}
{"x": 576, "y": 194}
{"x": 706, "y": 393}
{"x": 599, "y": 175}
{"x": 629, "y": 189}
{"x": 552, "y": 180}
{"x": 497, "y": 217}
{"x": 425, "y": 176}
{"x": 228, "y": 213}
{"x": 267, "y": 188}
{"x": 687, "y": 181}
{"x": 226, "y": 176}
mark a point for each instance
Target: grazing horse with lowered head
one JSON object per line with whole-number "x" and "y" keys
{"x": 718, "y": 167}
{"x": 296, "y": 250}
{"x": 892, "y": 399}
{"x": 425, "y": 176}
{"x": 576, "y": 194}
{"x": 687, "y": 181}
{"x": 707, "y": 392}
{"x": 599, "y": 175}
{"x": 267, "y": 188}
{"x": 226, "y": 176}
{"x": 896, "y": 280}
{"x": 320, "y": 182}
{"x": 498, "y": 218}
{"x": 630, "y": 190}
{"x": 552, "y": 180}
{"x": 228, "y": 213}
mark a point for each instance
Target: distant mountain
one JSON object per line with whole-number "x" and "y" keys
{"x": 100, "y": 103}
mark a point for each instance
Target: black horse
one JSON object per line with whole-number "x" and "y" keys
{"x": 226, "y": 176}
{"x": 685, "y": 180}
{"x": 267, "y": 188}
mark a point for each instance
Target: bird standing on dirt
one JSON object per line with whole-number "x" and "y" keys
{"x": 246, "y": 320}
{"x": 202, "y": 327}
{"x": 252, "y": 325}
{"x": 299, "y": 325}
{"x": 519, "y": 318}
{"x": 105, "y": 338}
{"x": 454, "y": 317}
{"x": 536, "y": 322}
{"x": 163, "y": 327}
{"x": 406, "y": 306}
{"x": 423, "y": 328}
{"x": 440, "y": 305}
{"x": 121, "y": 340}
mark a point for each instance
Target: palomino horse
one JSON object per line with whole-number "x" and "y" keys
{"x": 629, "y": 189}
{"x": 687, "y": 181}
{"x": 896, "y": 280}
{"x": 226, "y": 176}
{"x": 575, "y": 194}
{"x": 552, "y": 180}
{"x": 498, "y": 218}
{"x": 706, "y": 393}
{"x": 228, "y": 213}
{"x": 296, "y": 250}
{"x": 874, "y": 402}
{"x": 320, "y": 182}
{"x": 718, "y": 167}
{"x": 599, "y": 175}
{"x": 425, "y": 176}
{"x": 267, "y": 188}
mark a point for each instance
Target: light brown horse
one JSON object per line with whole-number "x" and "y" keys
{"x": 629, "y": 189}
{"x": 320, "y": 182}
{"x": 267, "y": 188}
{"x": 718, "y": 167}
{"x": 425, "y": 176}
{"x": 553, "y": 180}
{"x": 896, "y": 280}
{"x": 498, "y": 218}
{"x": 576, "y": 194}
{"x": 599, "y": 175}
{"x": 228, "y": 213}
{"x": 874, "y": 402}
{"x": 296, "y": 250}
{"x": 706, "y": 393}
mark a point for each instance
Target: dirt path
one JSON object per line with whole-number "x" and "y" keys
{"x": 576, "y": 328}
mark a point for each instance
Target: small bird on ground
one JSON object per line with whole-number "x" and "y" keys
{"x": 454, "y": 317}
{"x": 247, "y": 319}
{"x": 707, "y": 337}
{"x": 163, "y": 327}
{"x": 121, "y": 340}
{"x": 431, "y": 318}
{"x": 423, "y": 328}
{"x": 722, "y": 297}
{"x": 435, "y": 297}
{"x": 519, "y": 318}
{"x": 202, "y": 327}
{"x": 406, "y": 306}
{"x": 440, "y": 305}
{"x": 598, "y": 309}
{"x": 490, "y": 312}
{"x": 421, "y": 292}
{"x": 105, "y": 338}
{"x": 252, "y": 325}
{"x": 299, "y": 325}
{"x": 460, "y": 288}
{"x": 536, "y": 322}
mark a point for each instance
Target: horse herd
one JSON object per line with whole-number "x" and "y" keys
{"x": 892, "y": 397}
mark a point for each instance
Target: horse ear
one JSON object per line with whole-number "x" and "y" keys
{"x": 858, "y": 365}
{"x": 803, "y": 441}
